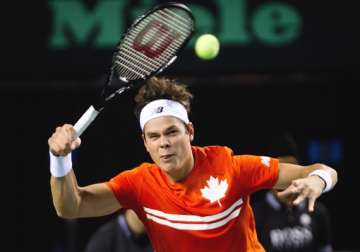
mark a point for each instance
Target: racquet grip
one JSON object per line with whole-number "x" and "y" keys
{"x": 85, "y": 120}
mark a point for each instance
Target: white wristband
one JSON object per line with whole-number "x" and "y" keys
{"x": 324, "y": 175}
{"x": 60, "y": 166}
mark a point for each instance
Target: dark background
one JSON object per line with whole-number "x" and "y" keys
{"x": 242, "y": 98}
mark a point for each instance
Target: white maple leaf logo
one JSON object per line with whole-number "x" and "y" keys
{"x": 215, "y": 190}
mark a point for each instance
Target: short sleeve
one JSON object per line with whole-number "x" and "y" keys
{"x": 256, "y": 172}
{"x": 124, "y": 189}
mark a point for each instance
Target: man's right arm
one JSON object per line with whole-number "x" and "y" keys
{"x": 71, "y": 200}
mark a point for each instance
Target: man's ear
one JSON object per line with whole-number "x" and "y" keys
{"x": 190, "y": 128}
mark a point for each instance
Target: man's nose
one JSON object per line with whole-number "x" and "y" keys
{"x": 164, "y": 141}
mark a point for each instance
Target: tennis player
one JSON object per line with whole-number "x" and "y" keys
{"x": 190, "y": 198}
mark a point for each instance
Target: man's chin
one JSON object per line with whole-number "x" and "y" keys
{"x": 168, "y": 167}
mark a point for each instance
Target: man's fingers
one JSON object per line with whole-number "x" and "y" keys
{"x": 284, "y": 193}
{"x": 311, "y": 204}
{"x": 299, "y": 199}
{"x": 294, "y": 188}
{"x": 75, "y": 144}
{"x": 70, "y": 132}
{"x": 63, "y": 140}
{"x": 54, "y": 148}
{"x": 302, "y": 189}
{"x": 305, "y": 193}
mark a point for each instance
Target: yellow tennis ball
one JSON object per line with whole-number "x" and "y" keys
{"x": 207, "y": 47}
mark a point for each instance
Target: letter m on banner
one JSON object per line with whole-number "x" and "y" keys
{"x": 74, "y": 24}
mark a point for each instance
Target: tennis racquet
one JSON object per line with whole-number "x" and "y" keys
{"x": 150, "y": 45}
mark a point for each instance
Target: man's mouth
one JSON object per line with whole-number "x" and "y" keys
{"x": 166, "y": 157}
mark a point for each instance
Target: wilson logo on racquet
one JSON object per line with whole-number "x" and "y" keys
{"x": 154, "y": 39}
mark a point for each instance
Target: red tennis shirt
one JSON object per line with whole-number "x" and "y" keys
{"x": 208, "y": 210}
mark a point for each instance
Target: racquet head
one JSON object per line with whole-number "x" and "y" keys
{"x": 153, "y": 42}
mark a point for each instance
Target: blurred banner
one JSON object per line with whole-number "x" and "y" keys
{"x": 75, "y": 38}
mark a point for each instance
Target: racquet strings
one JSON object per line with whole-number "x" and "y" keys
{"x": 152, "y": 43}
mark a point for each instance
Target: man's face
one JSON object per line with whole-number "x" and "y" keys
{"x": 168, "y": 142}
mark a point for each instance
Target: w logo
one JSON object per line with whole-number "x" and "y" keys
{"x": 154, "y": 39}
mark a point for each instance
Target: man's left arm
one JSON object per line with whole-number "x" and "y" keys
{"x": 306, "y": 182}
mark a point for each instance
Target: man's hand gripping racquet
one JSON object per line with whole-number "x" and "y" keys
{"x": 150, "y": 45}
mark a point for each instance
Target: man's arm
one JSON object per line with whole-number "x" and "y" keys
{"x": 71, "y": 200}
{"x": 298, "y": 180}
